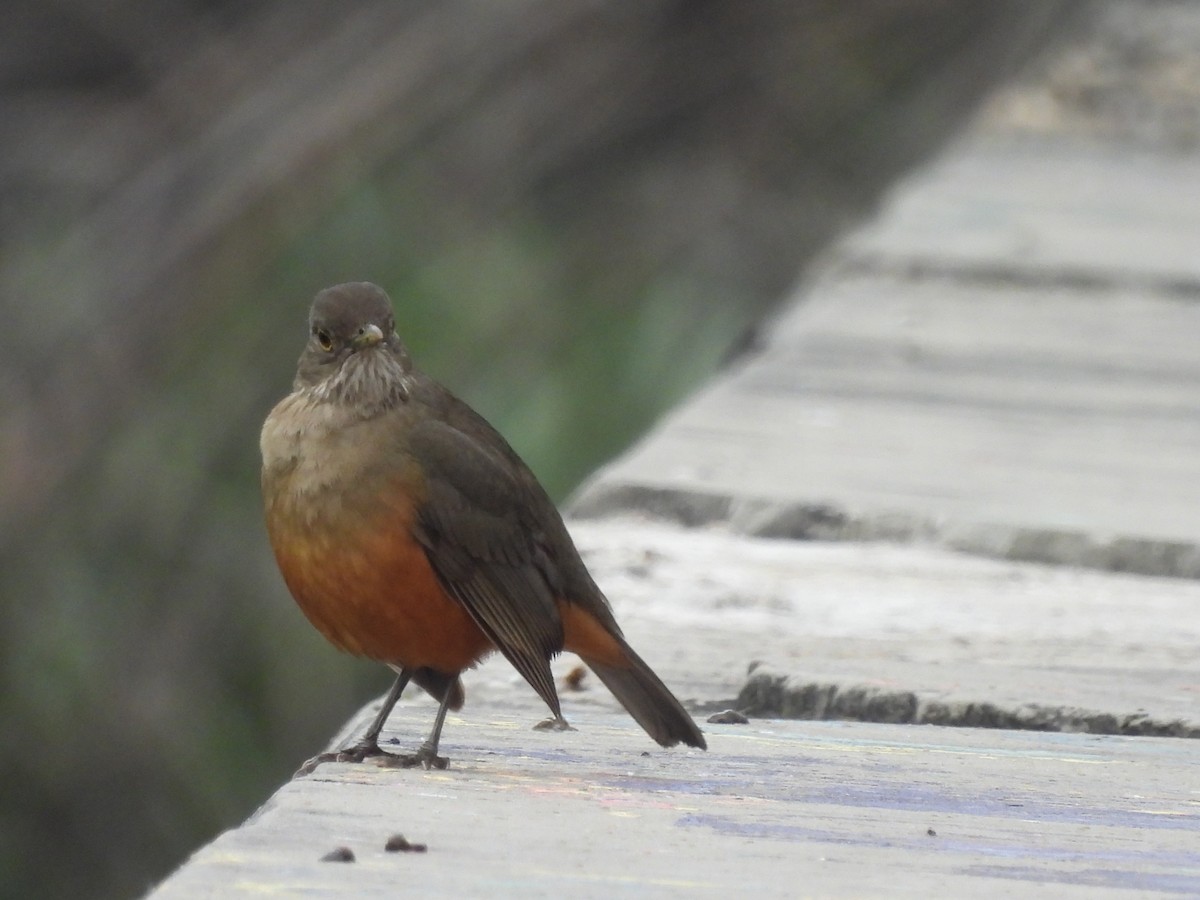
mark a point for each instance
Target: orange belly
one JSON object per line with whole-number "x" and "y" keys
{"x": 370, "y": 590}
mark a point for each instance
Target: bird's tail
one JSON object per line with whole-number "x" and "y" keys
{"x": 647, "y": 699}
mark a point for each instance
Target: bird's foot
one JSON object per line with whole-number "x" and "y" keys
{"x": 426, "y": 758}
{"x": 364, "y": 750}
{"x": 555, "y": 723}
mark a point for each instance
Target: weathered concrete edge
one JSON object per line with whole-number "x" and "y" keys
{"x": 773, "y": 695}
{"x": 822, "y": 521}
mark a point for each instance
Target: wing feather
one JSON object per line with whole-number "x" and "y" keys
{"x": 484, "y": 551}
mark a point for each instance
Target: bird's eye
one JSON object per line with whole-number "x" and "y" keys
{"x": 324, "y": 339}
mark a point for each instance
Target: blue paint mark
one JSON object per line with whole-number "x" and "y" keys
{"x": 727, "y": 825}
{"x": 1159, "y": 882}
{"x": 931, "y": 798}
{"x": 745, "y": 777}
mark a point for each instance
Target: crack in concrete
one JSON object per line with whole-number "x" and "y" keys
{"x": 773, "y": 695}
{"x": 761, "y": 517}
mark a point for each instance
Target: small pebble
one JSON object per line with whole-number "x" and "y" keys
{"x": 398, "y": 843}
{"x": 339, "y": 854}
{"x": 931, "y": 832}
{"x": 728, "y": 717}
{"x": 574, "y": 679}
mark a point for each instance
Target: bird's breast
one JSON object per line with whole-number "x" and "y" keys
{"x": 341, "y": 500}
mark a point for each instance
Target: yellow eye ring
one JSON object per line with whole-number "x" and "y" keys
{"x": 324, "y": 339}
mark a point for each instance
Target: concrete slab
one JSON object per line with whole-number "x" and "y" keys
{"x": 780, "y": 809}
{"x": 1061, "y": 208}
{"x": 1005, "y": 410}
{"x": 916, "y": 622}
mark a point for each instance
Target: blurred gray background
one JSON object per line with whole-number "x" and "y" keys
{"x": 580, "y": 208}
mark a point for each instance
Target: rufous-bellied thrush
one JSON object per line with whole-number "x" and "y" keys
{"x": 410, "y": 532}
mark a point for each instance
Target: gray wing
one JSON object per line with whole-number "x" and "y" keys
{"x": 481, "y": 544}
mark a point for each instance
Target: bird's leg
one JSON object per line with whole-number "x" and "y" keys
{"x": 426, "y": 754}
{"x": 368, "y": 745}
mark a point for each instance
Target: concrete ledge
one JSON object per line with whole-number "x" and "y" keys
{"x": 772, "y": 810}
{"x": 774, "y": 695}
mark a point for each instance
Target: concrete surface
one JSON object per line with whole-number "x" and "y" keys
{"x": 786, "y": 808}
{"x": 957, "y": 480}
{"x": 947, "y": 378}
{"x": 779, "y": 809}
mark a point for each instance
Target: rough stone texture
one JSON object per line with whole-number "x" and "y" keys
{"x": 774, "y": 695}
{"x": 907, "y": 395}
{"x": 775, "y": 809}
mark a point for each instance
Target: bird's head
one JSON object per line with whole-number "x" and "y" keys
{"x": 353, "y": 353}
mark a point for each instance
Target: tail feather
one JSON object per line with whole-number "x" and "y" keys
{"x": 648, "y": 700}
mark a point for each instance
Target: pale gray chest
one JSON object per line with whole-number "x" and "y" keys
{"x": 321, "y": 451}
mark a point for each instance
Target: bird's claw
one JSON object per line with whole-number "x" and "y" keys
{"x": 555, "y": 723}
{"x": 424, "y": 757}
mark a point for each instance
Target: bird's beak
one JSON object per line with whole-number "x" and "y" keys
{"x": 369, "y": 336}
